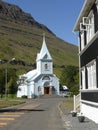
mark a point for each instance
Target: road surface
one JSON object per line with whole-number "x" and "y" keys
{"x": 37, "y": 114}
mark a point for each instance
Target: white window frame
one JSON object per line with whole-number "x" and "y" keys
{"x": 90, "y": 27}
{"x": 91, "y": 75}
{"x": 83, "y": 81}
{"x": 82, "y": 40}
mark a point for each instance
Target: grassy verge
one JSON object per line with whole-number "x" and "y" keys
{"x": 7, "y": 103}
{"x": 67, "y": 104}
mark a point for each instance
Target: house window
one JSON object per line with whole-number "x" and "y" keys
{"x": 83, "y": 78}
{"x": 90, "y": 27}
{"x": 91, "y": 75}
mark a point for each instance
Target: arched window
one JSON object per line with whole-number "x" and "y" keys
{"x": 46, "y": 78}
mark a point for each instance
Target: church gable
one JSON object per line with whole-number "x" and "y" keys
{"x": 45, "y": 57}
{"x": 44, "y": 53}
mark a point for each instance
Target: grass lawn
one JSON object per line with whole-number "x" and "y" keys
{"x": 67, "y": 104}
{"x": 7, "y": 103}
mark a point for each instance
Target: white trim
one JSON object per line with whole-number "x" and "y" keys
{"x": 83, "y": 13}
{"x": 88, "y": 102}
{"x": 83, "y": 78}
{"x": 90, "y": 90}
{"x": 90, "y": 42}
{"x": 85, "y": 21}
{"x": 83, "y": 28}
{"x": 91, "y": 62}
{"x": 82, "y": 40}
{"x": 88, "y": 26}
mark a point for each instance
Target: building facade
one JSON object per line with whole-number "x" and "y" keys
{"x": 40, "y": 81}
{"x": 87, "y": 28}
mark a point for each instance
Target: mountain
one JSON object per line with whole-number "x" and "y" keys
{"x": 21, "y": 37}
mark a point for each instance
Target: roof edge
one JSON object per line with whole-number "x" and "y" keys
{"x": 83, "y": 13}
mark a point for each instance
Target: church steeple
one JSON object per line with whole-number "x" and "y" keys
{"x": 44, "y": 60}
{"x": 44, "y": 53}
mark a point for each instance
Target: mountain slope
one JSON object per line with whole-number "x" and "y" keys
{"x": 21, "y": 37}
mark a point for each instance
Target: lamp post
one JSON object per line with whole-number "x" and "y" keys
{"x": 6, "y": 71}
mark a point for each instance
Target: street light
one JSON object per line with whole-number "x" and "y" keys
{"x": 6, "y": 69}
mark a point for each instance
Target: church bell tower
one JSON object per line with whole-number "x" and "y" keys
{"x": 44, "y": 60}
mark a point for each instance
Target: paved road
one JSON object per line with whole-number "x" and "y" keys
{"x": 45, "y": 116}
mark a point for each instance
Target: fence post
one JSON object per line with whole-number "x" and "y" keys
{"x": 74, "y": 103}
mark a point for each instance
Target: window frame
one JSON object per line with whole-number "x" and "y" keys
{"x": 91, "y": 75}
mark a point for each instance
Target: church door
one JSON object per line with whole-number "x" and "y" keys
{"x": 46, "y": 90}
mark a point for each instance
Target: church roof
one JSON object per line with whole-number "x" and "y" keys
{"x": 36, "y": 76}
{"x": 44, "y": 53}
{"x": 30, "y": 74}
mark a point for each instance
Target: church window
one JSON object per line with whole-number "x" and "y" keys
{"x": 46, "y": 66}
{"x": 46, "y": 56}
{"x": 46, "y": 78}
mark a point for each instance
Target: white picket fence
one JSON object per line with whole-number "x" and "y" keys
{"x": 77, "y": 103}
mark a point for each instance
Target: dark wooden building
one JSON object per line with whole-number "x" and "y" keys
{"x": 87, "y": 28}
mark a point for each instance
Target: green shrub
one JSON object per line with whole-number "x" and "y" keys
{"x": 0, "y": 6}
{"x": 24, "y": 96}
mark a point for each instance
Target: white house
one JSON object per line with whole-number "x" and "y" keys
{"x": 40, "y": 81}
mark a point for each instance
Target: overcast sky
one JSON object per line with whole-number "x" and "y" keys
{"x": 58, "y": 15}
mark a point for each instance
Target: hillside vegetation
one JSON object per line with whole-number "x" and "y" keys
{"x": 21, "y": 37}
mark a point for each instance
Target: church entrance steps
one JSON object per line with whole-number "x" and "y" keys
{"x": 50, "y": 96}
